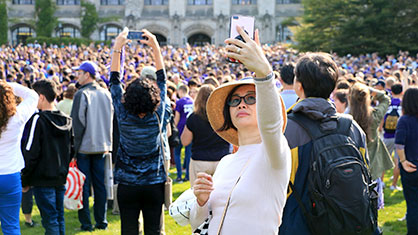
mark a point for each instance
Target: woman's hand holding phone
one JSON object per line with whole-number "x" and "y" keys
{"x": 149, "y": 39}
{"x": 121, "y": 39}
{"x": 249, "y": 53}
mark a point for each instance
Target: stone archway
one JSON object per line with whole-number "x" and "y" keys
{"x": 199, "y": 39}
{"x": 160, "y": 33}
{"x": 199, "y": 34}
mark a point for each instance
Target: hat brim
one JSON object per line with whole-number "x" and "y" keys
{"x": 216, "y": 104}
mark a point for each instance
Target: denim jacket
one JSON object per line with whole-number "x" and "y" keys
{"x": 140, "y": 155}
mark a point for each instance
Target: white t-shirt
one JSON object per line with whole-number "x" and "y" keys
{"x": 11, "y": 158}
{"x": 258, "y": 199}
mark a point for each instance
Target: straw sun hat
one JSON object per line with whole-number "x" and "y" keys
{"x": 216, "y": 103}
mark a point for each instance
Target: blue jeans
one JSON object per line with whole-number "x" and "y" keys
{"x": 92, "y": 165}
{"x": 50, "y": 201}
{"x": 177, "y": 159}
{"x": 410, "y": 192}
{"x": 10, "y": 197}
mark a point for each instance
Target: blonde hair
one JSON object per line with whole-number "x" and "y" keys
{"x": 360, "y": 107}
{"x": 201, "y": 99}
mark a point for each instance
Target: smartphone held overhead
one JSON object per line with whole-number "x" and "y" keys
{"x": 135, "y": 35}
{"x": 246, "y": 23}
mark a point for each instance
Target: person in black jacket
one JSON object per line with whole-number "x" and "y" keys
{"x": 47, "y": 148}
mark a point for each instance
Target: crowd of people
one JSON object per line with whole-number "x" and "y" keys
{"x": 248, "y": 129}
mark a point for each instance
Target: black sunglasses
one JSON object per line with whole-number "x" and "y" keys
{"x": 236, "y": 100}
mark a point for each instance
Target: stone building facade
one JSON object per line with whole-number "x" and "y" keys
{"x": 175, "y": 22}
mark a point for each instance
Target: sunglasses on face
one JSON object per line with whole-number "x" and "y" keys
{"x": 236, "y": 100}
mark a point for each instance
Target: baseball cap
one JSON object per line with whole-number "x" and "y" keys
{"x": 380, "y": 82}
{"x": 87, "y": 66}
{"x": 149, "y": 72}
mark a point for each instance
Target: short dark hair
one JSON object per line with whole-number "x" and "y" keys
{"x": 142, "y": 96}
{"x": 287, "y": 73}
{"x": 184, "y": 88}
{"x": 341, "y": 95}
{"x": 409, "y": 102}
{"x": 318, "y": 74}
{"x": 193, "y": 82}
{"x": 343, "y": 84}
{"x": 47, "y": 88}
{"x": 396, "y": 88}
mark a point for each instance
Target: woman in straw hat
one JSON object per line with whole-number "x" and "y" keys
{"x": 247, "y": 193}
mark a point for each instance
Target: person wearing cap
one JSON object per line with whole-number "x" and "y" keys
{"x": 247, "y": 193}
{"x": 380, "y": 85}
{"x": 92, "y": 115}
{"x": 141, "y": 110}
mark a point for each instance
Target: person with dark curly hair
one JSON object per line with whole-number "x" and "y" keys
{"x": 140, "y": 111}
{"x": 13, "y": 118}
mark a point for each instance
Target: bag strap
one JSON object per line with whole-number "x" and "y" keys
{"x": 162, "y": 143}
{"x": 302, "y": 207}
{"x": 229, "y": 197}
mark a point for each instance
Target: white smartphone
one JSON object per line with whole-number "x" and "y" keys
{"x": 247, "y": 23}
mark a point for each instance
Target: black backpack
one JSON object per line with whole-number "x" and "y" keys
{"x": 343, "y": 199}
{"x": 391, "y": 120}
{"x": 174, "y": 139}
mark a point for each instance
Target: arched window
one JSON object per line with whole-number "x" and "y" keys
{"x": 109, "y": 32}
{"x": 21, "y": 33}
{"x": 162, "y": 40}
{"x": 198, "y": 39}
{"x": 68, "y": 31}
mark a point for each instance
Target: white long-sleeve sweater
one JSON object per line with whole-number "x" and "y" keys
{"x": 258, "y": 200}
{"x": 11, "y": 159}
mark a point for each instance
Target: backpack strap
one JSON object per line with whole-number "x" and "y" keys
{"x": 302, "y": 207}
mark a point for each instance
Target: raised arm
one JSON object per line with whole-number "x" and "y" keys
{"x": 115, "y": 84}
{"x": 30, "y": 101}
{"x": 151, "y": 41}
{"x": 270, "y": 115}
{"x": 384, "y": 102}
{"x": 120, "y": 42}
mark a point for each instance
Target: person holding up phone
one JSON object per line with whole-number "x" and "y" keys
{"x": 248, "y": 191}
{"x": 139, "y": 170}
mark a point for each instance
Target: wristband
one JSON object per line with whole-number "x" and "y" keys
{"x": 269, "y": 76}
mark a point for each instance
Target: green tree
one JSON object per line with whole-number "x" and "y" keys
{"x": 3, "y": 22}
{"x": 89, "y": 19}
{"x": 46, "y": 21}
{"x": 357, "y": 26}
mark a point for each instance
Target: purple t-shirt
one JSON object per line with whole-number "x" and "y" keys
{"x": 185, "y": 107}
{"x": 394, "y": 104}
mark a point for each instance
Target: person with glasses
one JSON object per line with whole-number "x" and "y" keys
{"x": 247, "y": 193}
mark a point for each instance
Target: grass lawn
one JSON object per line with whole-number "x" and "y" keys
{"x": 388, "y": 217}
